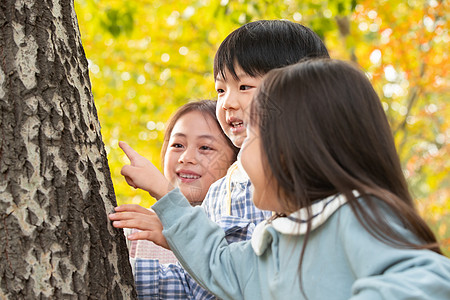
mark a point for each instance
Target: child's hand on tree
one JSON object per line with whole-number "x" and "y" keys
{"x": 141, "y": 173}
{"x": 138, "y": 217}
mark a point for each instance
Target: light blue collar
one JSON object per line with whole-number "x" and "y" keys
{"x": 297, "y": 222}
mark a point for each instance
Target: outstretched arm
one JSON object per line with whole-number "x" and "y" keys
{"x": 154, "y": 280}
{"x": 135, "y": 216}
{"x": 202, "y": 249}
{"x": 141, "y": 173}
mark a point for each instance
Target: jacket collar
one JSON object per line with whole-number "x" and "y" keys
{"x": 297, "y": 222}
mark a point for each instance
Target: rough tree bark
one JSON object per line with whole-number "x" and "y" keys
{"x": 55, "y": 187}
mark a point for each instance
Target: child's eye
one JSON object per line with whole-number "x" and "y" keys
{"x": 176, "y": 145}
{"x": 205, "y": 148}
{"x": 244, "y": 87}
{"x": 220, "y": 91}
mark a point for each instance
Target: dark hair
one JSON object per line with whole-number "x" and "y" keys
{"x": 261, "y": 46}
{"x": 324, "y": 131}
{"x": 207, "y": 108}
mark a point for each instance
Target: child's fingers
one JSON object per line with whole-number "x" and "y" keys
{"x": 133, "y": 208}
{"x": 123, "y": 216}
{"x": 129, "y": 152}
{"x": 130, "y": 182}
{"x": 125, "y": 207}
{"x": 140, "y": 235}
{"x": 123, "y": 222}
{"x": 128, "y": 171}
{"x": 154, "y": 236}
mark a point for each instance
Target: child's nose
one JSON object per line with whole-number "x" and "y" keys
{"x": 188, "y": 156}
{"x": 230, "y": 102}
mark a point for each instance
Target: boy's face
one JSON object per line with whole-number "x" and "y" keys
{"x": 233, "y": 103}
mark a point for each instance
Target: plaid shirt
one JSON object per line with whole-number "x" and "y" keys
{"x": 229, "y": 204}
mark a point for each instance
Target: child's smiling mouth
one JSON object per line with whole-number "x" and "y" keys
{"x": 236, "y": 125}
{"x": 187, "y": 176}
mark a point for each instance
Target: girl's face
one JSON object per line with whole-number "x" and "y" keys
{"x": 265, "y": 189}
{"x": 233, "y": 100}
{"x": 197, "y": 155}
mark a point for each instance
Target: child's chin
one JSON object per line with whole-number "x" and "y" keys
{"x": 237, "y": 140}
{"x": 192, "y": 192}
{"x": 263, "y": 204}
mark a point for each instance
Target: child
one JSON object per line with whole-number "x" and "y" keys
{"x": 240, "y": 63}
{"x": 326, "y": 162}
{"x": 195, "y": 153}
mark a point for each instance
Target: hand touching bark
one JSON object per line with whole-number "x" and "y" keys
{"x": 138, "y": 217}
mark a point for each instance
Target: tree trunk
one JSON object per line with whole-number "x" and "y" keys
{"x": 55, "y": 187}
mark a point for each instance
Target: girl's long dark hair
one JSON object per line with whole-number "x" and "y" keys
{"x": 324, "y": 131}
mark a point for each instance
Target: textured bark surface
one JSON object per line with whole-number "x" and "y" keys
{"x": 55, "y": 187}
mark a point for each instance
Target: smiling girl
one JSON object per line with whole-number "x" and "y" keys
{"x": 196, "y": 152}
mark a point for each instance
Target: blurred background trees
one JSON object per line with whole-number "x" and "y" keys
{"x": 148, "y": 57}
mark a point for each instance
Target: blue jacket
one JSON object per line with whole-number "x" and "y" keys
{"x": 229, "y": 204}
{"x": 342, "y": 260}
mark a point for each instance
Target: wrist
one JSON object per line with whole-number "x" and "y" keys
{"x": 166, "y": 187}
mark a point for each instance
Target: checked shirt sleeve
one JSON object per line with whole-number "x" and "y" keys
{"x": 156, "y": 281}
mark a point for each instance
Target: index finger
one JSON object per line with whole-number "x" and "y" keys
{"x": 129, "y": 152}
{"x": 133, "y": 208}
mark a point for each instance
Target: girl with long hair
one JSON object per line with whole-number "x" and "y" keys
{"x": 320, "y": 153}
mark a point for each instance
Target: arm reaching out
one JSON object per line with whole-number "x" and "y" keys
{"x": 141, "y": 173}
{"x": 135, "y": 216}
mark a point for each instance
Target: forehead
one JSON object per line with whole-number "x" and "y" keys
{"x": 226, "y": 75}
{"x": 196, "y": 124}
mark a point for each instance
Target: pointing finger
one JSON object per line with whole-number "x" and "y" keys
{"x": 128, "y": 171}
{"x": 129, "y": 152}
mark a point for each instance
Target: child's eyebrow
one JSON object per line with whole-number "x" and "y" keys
{"x": 240, "y": 76}
{"x": 207, "y": 136}
{"x": 174, "y": 135}
{"x": 203, "y": 136}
